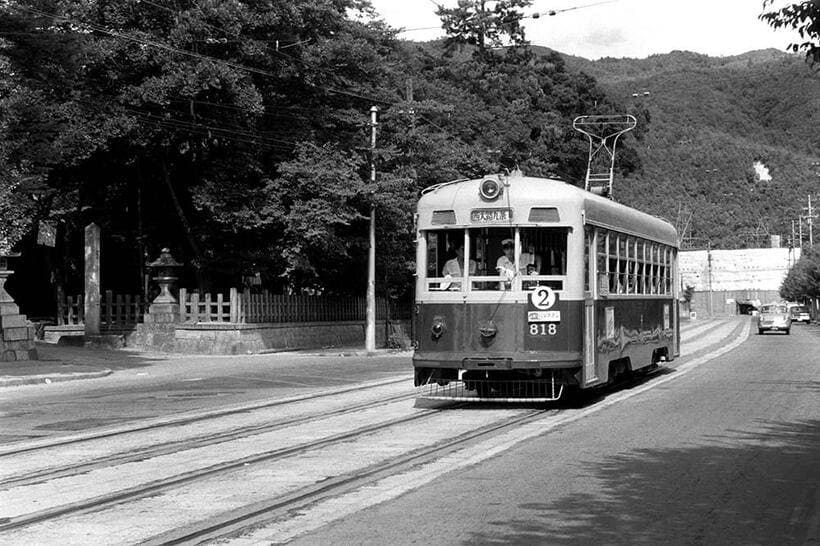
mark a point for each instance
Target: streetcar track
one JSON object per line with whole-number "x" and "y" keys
{"x": 235, "y": 521}
{"x": 100, "y": 502}
{"x": 33, "y": 478}
{"x": 259, "y": 513}
{"x": 158, "y": 423}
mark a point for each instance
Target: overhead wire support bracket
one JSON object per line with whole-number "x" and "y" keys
{"x": 603, "y": 132}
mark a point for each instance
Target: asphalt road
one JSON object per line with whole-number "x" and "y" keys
{"x": 728, "y": 453}
{"x": 145, "y": 386}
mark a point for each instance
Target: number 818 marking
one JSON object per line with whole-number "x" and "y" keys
{"x": 543, "y": 329}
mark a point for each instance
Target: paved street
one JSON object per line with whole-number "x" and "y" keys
{"x": 726, "y": 454}
{"x": 719, "y": 447}
{"x": 143, "y": 386}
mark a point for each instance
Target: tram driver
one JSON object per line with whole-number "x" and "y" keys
{"x": 506, "y": 264}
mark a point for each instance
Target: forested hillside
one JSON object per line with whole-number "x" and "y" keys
{"x": 710, "y": 120}
{"x": 239, "y": 135}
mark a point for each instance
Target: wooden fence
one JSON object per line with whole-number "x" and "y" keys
{"x": 115, "y": 310}
{"x": 235, "y": 307}
{"x": 246, "y": 307}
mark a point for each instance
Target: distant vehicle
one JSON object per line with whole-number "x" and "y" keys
{"x": 800, "y": 313}
{"x": 774, "y": 317}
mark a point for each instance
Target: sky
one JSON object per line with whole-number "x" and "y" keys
{"x": 619, "y": 28}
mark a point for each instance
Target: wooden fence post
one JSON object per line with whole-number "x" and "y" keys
{"x": 233, "y": 300}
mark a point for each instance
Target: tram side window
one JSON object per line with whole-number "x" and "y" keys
{"x": 640, "y": 281}
{"x": 602, "y": 260}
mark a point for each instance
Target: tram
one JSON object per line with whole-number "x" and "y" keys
{"x": 527, "y": 287}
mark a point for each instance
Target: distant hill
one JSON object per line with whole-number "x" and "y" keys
{"x": 710, "y": 120}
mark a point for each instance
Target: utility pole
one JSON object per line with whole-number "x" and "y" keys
{"x": 800, "y": 231}
{"x": 370, "y": 323}
{"x": 809, "y": 221}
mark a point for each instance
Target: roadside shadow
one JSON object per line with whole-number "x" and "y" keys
{"x": 744, "y": 487}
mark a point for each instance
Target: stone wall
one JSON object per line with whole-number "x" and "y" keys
{"x": 16, "y": 332}
{"x": 215, "y": 338}
{"x": 221, "y": 338}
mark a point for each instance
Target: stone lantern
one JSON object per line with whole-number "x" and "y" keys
{"x": 5, "y": 299}
{"x": 165, "y": 268}
{"x": 16, "y": 333}
{"x": 164, "y": 308}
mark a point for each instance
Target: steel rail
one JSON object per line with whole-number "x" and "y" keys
{"x": 235, "y": 521}
{"x": 152, "y": 488}
{"x": 177, "y": 446}
{"x": 11, "y": 449}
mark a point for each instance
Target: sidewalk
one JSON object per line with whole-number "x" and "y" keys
{"x": 67, "y": 363}
{"x": 52, "y": 367}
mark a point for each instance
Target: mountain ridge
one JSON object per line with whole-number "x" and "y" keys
{"x": 711, "y": 119}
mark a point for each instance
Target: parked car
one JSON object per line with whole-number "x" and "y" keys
{"x": 774, "y": 317}
{"x": 800, "y": 313}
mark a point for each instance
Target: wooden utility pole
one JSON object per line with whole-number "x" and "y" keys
{"x": 809, "y": 222}
{"x": 92, "y": 280}
{"x": 370, "y": 323}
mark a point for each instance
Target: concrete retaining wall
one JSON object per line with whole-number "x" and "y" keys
{"x": 204, "y": 338}
{"x": 226, "y": 338}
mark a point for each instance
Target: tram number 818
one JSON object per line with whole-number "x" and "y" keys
{"x": 543, "y": 329}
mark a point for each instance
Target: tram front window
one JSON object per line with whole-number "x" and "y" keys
{"x": 543, "y": 257}
{"x": 446, "y": 259}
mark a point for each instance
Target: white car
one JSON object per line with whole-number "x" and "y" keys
{"x": 800, "y": 313}
{"x": 774, "y": 317}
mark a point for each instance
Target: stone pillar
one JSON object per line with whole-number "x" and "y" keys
{"x": 92, "y": 280}
{"x": 16, "y": 333}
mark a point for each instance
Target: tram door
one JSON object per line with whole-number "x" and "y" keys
{"x": 590, "y": 349}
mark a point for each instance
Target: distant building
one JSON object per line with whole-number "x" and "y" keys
{"x": 728, "y": 281}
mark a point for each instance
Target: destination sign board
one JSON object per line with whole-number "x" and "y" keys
{"x": 490, "y": 216}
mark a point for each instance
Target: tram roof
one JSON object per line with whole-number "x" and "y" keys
{"x": 522, "y": 194}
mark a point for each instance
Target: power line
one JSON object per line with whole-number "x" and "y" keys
{"x": 200, "y": 56}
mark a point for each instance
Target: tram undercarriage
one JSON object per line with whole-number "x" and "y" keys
{"x": 521, "y": 385}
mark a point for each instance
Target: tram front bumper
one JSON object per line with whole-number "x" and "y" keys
{"x": 499, "y": 362}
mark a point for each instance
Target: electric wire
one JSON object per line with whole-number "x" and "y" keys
{"x": 199, "y": 56}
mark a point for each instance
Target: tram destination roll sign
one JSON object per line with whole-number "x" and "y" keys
{"x": 490, "y": 216}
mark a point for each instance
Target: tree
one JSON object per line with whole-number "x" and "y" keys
{"x": 164, "y": 124}
{"x": 803, "y": 17}
{"x": 474, "y": 23}
{"x": 236, "y": 132}
{"x": 803, "y": 280}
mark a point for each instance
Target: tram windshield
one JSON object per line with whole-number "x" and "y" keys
{"x": 496, "y": 258}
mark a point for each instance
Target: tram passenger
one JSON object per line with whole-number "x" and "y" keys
{"x": 506, "y": 264}
{"x": 530, "y": 271}
{"x": 454, "y": 267}
{"x": 530, "y": 258}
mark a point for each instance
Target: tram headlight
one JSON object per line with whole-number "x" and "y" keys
{"x": 490, "y": 189}
{"x": 438, "y": 327}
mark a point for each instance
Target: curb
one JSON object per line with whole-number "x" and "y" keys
{"x": 51, "y": 378}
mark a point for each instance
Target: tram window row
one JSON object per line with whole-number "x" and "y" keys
{"x": 632, "y": 265}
